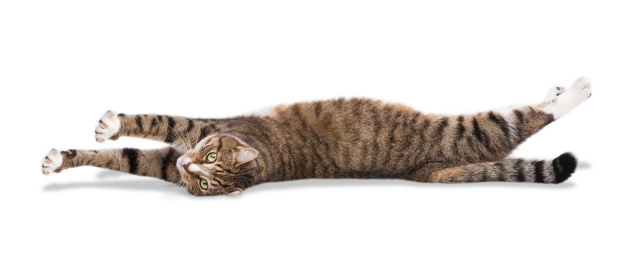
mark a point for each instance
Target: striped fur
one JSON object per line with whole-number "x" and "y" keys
{"x": 154, "y": 163}
{"x": 342, "y": 138}
{"x": 509, "y": 170}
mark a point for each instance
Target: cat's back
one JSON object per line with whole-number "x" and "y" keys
{"x": 356, "y": 133}
{"x": 346, "y": 119}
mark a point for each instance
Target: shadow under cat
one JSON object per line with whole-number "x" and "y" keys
{"x": 160, "y": 186}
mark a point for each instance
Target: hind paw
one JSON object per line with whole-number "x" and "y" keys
{"x": 51, "y": 162}
{"x": 553, "y": 92}
{"x": 108, "y": 125}
{"x": 582, "y": 89}
{"x": 566, "y": 101}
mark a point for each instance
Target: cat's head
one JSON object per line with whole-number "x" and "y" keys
{"x": 218, "y": 164}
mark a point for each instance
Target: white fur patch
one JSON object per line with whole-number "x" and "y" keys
{"x": 51, "y": 162}
{"x": 508, "y": 114}
{"x": 237, "y": 192}
{"x": 553, "y": 92}
{"x": 267, "y": 111}
{"x": 196, "y": 169}
{"x": 108, "y": 125}
{"x": 180, "y": 162}
{"x": 192, "y": 168}
{"x": 505, "y": 111}
{"x": 568, "y": 100}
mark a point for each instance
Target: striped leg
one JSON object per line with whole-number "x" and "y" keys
{"x": 491, "y": 136}
{"x": 528, "y": 120}
{"x": 510, "y": 170}
{"x": 175, "y": 130}
{"x": 484, "y": 137}
{"x": 159, "y": 163}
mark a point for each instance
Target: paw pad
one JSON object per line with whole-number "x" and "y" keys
{"x": 108, "y": 125}
{"x": 554, "y": 92}
{"x": 582, "y": 88}
{"x": 567, "y": 100}
{"x": 51, "y": 162}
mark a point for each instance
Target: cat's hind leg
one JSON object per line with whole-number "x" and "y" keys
{"x": 159, "y": 163}
{"x": 553, "y": 171}
{"x": 491, "y": 136}
{"x": 525, "y": 121}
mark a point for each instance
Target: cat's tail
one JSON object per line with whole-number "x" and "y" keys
{"x": 553, "y": 171}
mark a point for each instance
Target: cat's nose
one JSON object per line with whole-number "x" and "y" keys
{"x": 185, "y": 166}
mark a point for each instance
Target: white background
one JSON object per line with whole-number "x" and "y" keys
{"x": 64, "y": 63}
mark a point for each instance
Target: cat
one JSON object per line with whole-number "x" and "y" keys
{"x": 342, "y": 138}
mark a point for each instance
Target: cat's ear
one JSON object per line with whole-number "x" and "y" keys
{"x": 236, "y": 192}
{"x": 245, "y": 154}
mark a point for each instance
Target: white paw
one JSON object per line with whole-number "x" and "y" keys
{"x": 553, "y": 92}
{"x": 108, "y": 125}
{"x": 582, "y": 88}
{"x": 567, "y": 101}
{"x": 51, "y": 162}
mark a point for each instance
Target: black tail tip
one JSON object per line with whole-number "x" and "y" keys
{"x": 564, "y": 166}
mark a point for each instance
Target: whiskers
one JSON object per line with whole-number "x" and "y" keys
{"x": 185, "y": 142}
{"x": 179, "y": 184}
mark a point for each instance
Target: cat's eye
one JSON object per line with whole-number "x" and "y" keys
{"x": 211, "y": 158}
{"x": 203, "y": 183}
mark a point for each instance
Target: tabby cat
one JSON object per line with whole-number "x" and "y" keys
{"x": 343, "y": 138}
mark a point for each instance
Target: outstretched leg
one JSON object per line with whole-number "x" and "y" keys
{"x": 159, "y": 163}
{"x": 530, "y": 119}
{"x": 510, "y": 170}
{"x": 565, "y": 101}
{"x": 491, "y": 136}
{"x": 175, "y": 130}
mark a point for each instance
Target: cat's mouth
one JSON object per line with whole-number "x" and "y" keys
{"x": 188, "y": 169}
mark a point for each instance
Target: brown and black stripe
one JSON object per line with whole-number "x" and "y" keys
{"x": 510, "y": 170}
{"x": 155, "y": 163}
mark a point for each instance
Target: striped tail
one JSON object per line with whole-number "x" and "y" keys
{"x": 511, "y": 170}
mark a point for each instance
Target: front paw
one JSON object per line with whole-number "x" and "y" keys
{"x": 108, "y": 125}
{"x": 51, "y": 162}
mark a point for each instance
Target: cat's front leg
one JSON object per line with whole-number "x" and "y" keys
{"x": 175, "y": 130}
{"x": 160, "y": 163}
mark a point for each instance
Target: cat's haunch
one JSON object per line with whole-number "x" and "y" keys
{"x": 343, "y": 138}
